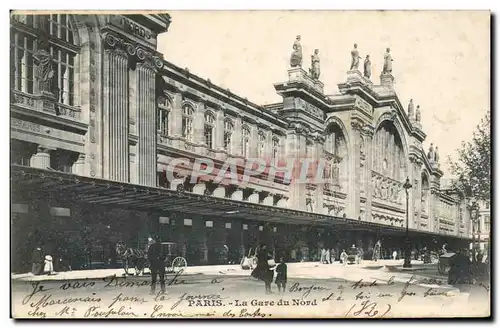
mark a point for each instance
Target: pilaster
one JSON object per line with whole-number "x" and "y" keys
{"x": 199, "y": 124}
{"x": 146, "y": 124}
{"x": 319, "y": 169}
{"x": 366, "y": 160}
{"x": 296, "y": 142}
{"x": 116, "y": 150}
{"x": 219, "y": 130}
{"x": 354, "y": 192}
{"x": 237, "y": 138}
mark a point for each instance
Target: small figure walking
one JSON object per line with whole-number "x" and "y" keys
{"x": 394, "y": 254}
{"x": 343, "y": 257}
{"x": 281, "y": 275}
{"x": 156, "y": 258}
{"x": 49, "y": 266}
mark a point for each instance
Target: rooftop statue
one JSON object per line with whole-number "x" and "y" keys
{"x": 387, "y": 62}
{"x": 296, "y": 57}
{"x": 410, "y": 109}
{"x": 417, "y": 116}
{"x": 355, "y": 58}
{"x": 368, "y": 67}
{"x": 315, "y": 68}
{"x": 431, "y": 155}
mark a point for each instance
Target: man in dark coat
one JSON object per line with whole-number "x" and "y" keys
{"x": 156, "y": 258}
{"x": 38, "y": 260}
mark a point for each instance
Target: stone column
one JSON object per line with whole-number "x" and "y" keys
{"x": 268, "y": 148}
{"x": 318, "y": 172}
{"x": 79, "y": 166}
{"x": 237, "y": 136}
{"x": 219, "y": 130}
{"x": 368, "y": 162}
{"x": 176, "y": 117}
{"x": 146, "y": 124}
{"x": 41, "y": 159}
{"x": 416, "y": 209}
{"x": 296, "y": 148}
{"x": 254, "y": 140}
{"x": 353, "y": 201}
{"x": 199, "y": 124}
{"x": 116, "y": 149}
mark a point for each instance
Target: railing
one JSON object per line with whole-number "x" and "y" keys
{"x": 27, "y": 100}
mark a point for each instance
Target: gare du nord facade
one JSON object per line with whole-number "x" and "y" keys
{"x": 92, "y": 136}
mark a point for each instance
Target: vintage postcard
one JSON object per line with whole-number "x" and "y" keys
{"x": 250, "y": 164}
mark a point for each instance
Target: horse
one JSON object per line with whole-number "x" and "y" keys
{"x": 138, "y": 258}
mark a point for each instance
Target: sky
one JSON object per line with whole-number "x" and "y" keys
{"x": 441, "y": 58}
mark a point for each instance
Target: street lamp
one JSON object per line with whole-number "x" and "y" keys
{"x": 407, "y": 262}
{"x": 474, "y": 214}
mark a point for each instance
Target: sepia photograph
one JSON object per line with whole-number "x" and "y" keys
{"x": 250, "y": 164}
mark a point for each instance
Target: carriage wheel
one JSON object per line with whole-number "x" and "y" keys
{"x": 179, "y": 263}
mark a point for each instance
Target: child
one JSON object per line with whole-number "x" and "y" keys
{"x": 281, "y": 275}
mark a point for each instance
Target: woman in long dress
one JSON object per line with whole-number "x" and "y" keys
{"x": 296, "y": 57}
{"x": 262, "y": 270}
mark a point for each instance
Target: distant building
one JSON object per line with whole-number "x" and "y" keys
{"x": 98, "y": 116}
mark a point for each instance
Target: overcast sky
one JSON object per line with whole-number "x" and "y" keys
{"x": 441, "y": 59}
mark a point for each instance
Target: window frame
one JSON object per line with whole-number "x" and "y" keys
{"x": 228, "y": 134}
{"x": 187, "y": 122}
{"x": 209, "y": 129}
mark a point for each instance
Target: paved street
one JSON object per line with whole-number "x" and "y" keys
{"x": 313, "y": 290}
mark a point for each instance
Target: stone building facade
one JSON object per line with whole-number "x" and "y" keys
{"x": 91, "y": 96}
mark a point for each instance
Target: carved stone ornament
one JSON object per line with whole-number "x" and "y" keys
{"x": 126, "y": 47}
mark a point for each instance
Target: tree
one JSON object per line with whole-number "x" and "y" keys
{"x": 473, "y": 167}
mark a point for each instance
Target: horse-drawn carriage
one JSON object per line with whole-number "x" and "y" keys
{"x": 354, "y": 255}
{"x": 138, "y": 258}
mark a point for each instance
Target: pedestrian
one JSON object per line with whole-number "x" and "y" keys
{"x": 37, "y": 261}
{"x": 343, "y": 257}
{"x": 332, "y": 256}
{"x": 281, "y": 275}
{"x": 394, "y": 254}
{"x": 327, "y": 256}
{"x": 49, "y": 265}
{"x": 156, "y": 258}
{"x": 262, "y": 270}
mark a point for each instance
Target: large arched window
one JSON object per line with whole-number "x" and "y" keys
{"x": 26, "y": 43}
{"x": 228, "y": 134}
{"x": 261, "y": 144}
{"x": 208, "y": 130}
{"x": 388, "y": 157}
{"x": 163, "y": 112}
{"x": 245, "y": 151}
{"x": 187, "y": 122}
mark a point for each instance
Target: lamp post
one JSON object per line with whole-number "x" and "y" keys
{"x": 474, "y": 214}
{"x": 407, "y": 263}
